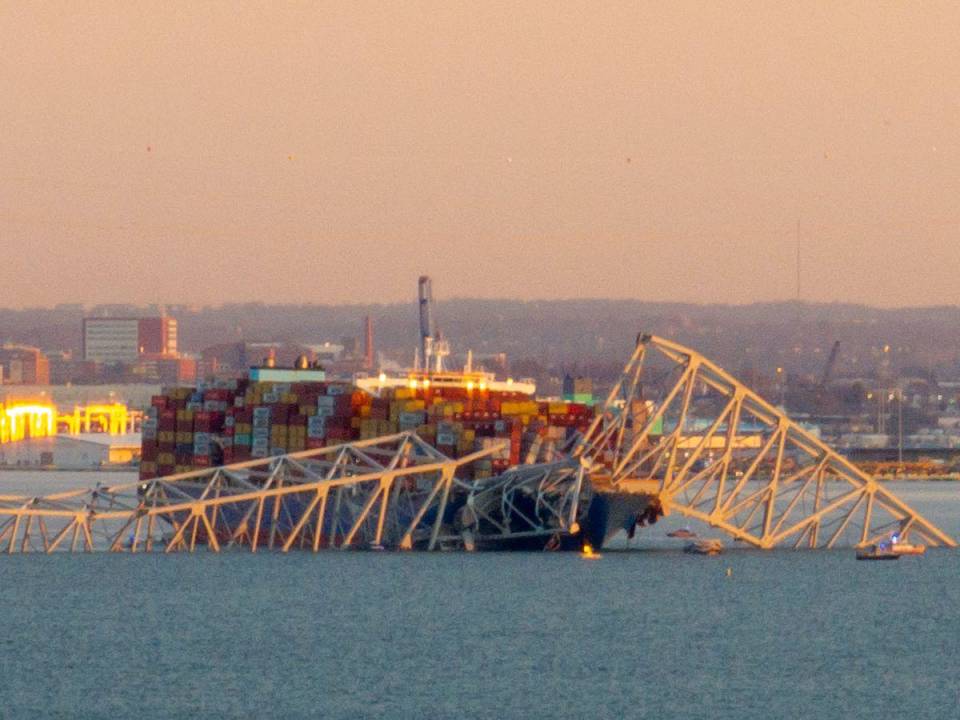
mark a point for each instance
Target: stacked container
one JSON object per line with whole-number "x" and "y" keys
{"x": 190, "y": 428}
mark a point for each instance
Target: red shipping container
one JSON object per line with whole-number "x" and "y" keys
{"x": 167, "y": 420}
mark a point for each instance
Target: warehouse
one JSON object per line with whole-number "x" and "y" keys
{"x": 87, "y": 451}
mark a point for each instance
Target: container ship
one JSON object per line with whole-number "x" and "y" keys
{"x": 275, "y": 411}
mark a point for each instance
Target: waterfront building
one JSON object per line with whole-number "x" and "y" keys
{"x": 124, "y": 340}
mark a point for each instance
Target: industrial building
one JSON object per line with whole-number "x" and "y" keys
{"x": 119, "y": 340}
{"x": 23, "y": 365}
{"x": 87, "y": 451}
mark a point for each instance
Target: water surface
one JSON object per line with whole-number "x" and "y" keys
{"x": 646, "y": 633}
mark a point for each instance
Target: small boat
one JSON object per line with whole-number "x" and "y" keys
{"x": 880, "y": 551}
{"x": 905, "y": 548}
{"x": 682, "y": 533}
{"x": 908, "y": 549}
{"x": 704, "y": 547}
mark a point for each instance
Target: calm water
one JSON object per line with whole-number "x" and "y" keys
{"x": 652, "y": 633}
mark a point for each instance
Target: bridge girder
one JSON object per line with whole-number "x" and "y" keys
{"x": 723, "y": 455}
{"x": 709, "y": 448}
{"x": 385, "y": 492}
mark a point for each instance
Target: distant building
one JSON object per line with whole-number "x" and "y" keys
{"x": 119, "y": 340}
{"x": 577, "y": 389}
{"x": 157, "y": 336}
{"x": 86, "y": 451}
{"x": 23, "y": 365}
{"x": 231, "y": 356}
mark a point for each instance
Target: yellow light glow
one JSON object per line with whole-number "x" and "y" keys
{"x": 426, "y": 384}
{"x": 509, "y": 381}
{"x": 588, "y": 552}
{"x": 483, "y": 386}
{"x": 383, "y": 377}
{"x": 469, "y": 384}
{"x": 413, "y": 383}
{"x": 22, "y": 420}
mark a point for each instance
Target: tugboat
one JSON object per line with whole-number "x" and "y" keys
{"x": 879, "y": 551}
{"x": 890, "y": 549}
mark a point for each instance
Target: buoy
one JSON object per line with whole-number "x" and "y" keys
{"x": 588, "y": 553}
{"x": 729, "y": 572}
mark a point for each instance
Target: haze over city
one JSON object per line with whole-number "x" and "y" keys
{"x": 157, "y": 152}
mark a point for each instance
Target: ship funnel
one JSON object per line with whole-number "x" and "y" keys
{"x": 427, "y": 330}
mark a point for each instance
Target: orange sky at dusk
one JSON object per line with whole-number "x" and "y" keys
{"x": 331, "y": 152}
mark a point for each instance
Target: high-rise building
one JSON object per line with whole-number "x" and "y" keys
{"x": 22, "y": 365}
{"x": 157, "y": 336}
{"x": 117, "y": 340}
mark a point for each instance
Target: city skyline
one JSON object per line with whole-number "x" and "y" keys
{"x": 329, "y": 154}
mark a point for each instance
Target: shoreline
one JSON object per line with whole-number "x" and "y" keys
{"x": 50, "y": 468}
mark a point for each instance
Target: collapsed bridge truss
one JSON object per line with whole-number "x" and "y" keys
{"x": 700, "y": 444}
{"x": 721, "y": 454}
{"x": 391, "y": 491}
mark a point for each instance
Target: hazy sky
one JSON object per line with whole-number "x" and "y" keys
{"x": 331, "y": 152}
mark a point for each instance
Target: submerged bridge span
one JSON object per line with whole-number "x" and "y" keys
{"x": 677, "y": 434}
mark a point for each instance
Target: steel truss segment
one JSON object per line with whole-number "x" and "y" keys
{"x": 725, "y": 456}
{"x": 716, "y": 450}
{"x": 390, "y": 491}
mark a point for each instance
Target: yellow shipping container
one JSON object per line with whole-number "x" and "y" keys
{"x": 403, "y": 393}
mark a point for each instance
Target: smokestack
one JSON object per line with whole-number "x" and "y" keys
{"x": 427, "y": 331}
{"x": 368, "y": 343}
